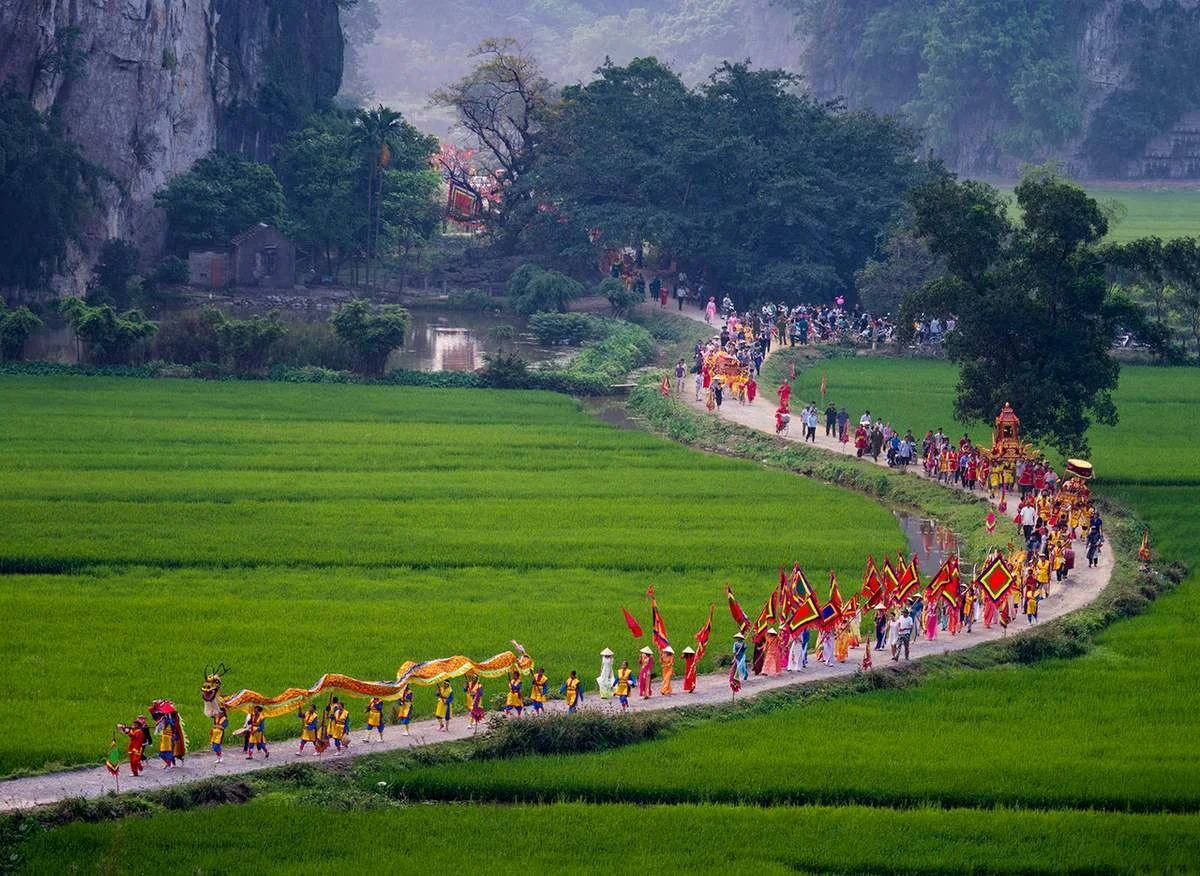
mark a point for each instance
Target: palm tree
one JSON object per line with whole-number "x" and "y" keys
{"x": 376, "y": 132}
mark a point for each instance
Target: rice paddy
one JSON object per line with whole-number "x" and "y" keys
{"x": 152, "y": 527}
{"x": 1085, "y": 764}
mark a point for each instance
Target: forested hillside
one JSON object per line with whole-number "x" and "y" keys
{"x": 1105, "y": 86}
{"x": 1109, "y": 88}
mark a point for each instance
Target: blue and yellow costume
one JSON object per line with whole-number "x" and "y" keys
{"x": 375, "y": 717}
{"x": 405, "y": 707}
{"x": 537, "y": 692}
{"x": 258, "y": 734}
{"x": 514, "y": 702}
{"x": 624, "y": 684}
{"x": 339, "y": 725}
{"x": 216, "y": 735}
{"x": 574, "y": 694}
{"x": 444, "y": 710}
{"x": 310, "y": 723}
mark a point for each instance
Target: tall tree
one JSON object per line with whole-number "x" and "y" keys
{"x": 383, "y": 138}
{"x": 503, "y": 103}
{"x": 1036, "y": 319}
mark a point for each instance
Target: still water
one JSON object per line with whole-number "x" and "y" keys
{"x": 929, "y": 540}
{"x": 438, "y": 339}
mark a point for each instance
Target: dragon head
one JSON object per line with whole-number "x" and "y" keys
{"x": 210, "y": 691}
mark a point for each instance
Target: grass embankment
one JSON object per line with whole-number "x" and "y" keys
{"x": 621, "y": 838}
{"x": 152, "y": 527}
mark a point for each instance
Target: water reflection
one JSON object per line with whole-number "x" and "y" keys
{"x": 438, "y": 339}
{"x": 931, "y": 541}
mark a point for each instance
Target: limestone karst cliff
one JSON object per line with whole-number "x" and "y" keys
{"x": 146, "y": 87}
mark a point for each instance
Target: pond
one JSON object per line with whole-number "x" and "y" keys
{"x": 439, "y": 339}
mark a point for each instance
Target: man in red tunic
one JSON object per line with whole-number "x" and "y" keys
{"x": 139, "y": 738}
{"x": 785, "y": 393}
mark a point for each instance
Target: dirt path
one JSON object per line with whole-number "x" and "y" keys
{"x": 1080, "y": 589}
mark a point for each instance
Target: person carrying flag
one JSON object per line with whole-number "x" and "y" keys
{"x": 739, "y": 655}
{"x": 257, "y": 736}
{"x": 667, "y": 655}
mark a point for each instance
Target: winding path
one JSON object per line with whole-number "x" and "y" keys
{"x": 1081, "y": 588}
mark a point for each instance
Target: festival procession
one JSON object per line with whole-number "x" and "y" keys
{"x": 883, "y": 618}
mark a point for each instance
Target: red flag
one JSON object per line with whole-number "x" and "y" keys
{"x": 735, "y": 610}
{"x": 734, "y": 684}
{"x": 806, "y": 609}
{"x": 665, "y": 386}
{"x": 867, "y": 656}
{"x": 872, "y": 589}
{"x": 768, "y": 616}
{"x": 831, "y": 613}
{"x": 950, "y": 589}
{"x": 907, "y": 580}
{"x": 996, "y": 579}
{"x": 633, "y": 624}
{"x": 659, "y": 629}
{"x": 703, "y": 636}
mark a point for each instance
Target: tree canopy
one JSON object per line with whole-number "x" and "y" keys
{"x": 218, "y": 198}
{"x": 46, "y": 190}
{"x": 746, "y": 181}
{"x": 1035, "y": 316}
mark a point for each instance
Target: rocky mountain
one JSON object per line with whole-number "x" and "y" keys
{"x": 1109, "y": 88}
{"x": 146, "y": 87}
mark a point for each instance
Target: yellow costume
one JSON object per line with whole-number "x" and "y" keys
{"x": 538, "y": 692}
{"x": 668, "y": 672}
{"x": 445, "y": 695}
{"x": 217, "y": 734}
{"x": 337, "y": 722}
{"x": 624, "y": 681}
{"x": 308, "y": 730}
{"x": 572, "y": 692}
{"x": 166, "y": 739}
{"x": 256, "y": 731}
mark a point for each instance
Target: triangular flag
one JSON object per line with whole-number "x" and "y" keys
{"x": 634, "y": 627}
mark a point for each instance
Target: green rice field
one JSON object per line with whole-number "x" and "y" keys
{"x": 1023, "y": 733}
{"x": 1148, "y": 212}
{"x": 621, "y": 838}
{"x": 1082, "y": 765}
{"x": 152, "y": 527}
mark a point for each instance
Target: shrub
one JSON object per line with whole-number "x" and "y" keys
{"x": 115, "y": 269}
{"x": 110, "y": 337}
{"x": 15, "y": 326}
{"x": 312, "y": 343}
{"x": 569, "y": 734}
{"x": 533, "y": 290}
{"x": 472, "y": 299}
{"x": 621, "y": 298}
{"x": 190, "y": 339}
{"x": 370, "y": 331}
{"x": 567, "y": 328}
{"x": 171, "y": 271}
{"x": 308, "y": 374}
{"x": 505, "y": 371}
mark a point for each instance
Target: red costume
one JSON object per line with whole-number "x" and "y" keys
{"x": 785, "y": 393}
{"x": 689, "y": 672}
